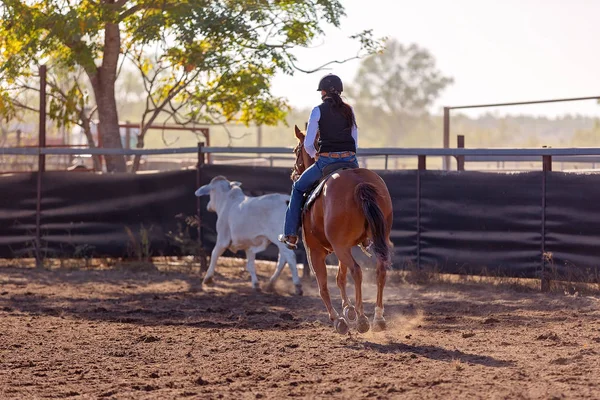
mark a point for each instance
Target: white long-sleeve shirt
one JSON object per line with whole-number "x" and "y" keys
{"x": 313, "y": 127}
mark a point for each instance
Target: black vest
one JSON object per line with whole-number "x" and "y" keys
{"x": 335, "y": 131}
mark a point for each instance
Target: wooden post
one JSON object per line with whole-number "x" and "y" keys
{"x": 545, "y": 276}
{"x": 446, "y": 162}
{"x": 422, "y": 163}
{"x": 128, "y": 140}
{"x": 201, "y": 252}
{"x": 39, "y": 261}
{"x": 460, "y": 160}
{"x": 206, "y": 133}
{"x": 421, "y": 167}
{"x": 259, "y": 138}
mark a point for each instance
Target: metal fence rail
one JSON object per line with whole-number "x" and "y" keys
{"x": 446, "y": 118}
{"x": 469, "y": 154}
{"x": 589, "y": 155}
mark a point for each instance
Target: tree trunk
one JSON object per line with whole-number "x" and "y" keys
{"x": 140, "y": 145}
{"x": 108, "y": 127}
{"x": 103, "y": 82}
{"x": 144, "y": 126}
{"x": 87, "y": 130}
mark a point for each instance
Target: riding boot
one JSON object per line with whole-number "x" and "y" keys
{"x": 289, "y": 240}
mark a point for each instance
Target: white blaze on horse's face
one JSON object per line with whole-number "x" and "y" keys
{"x": 217, "y": 188}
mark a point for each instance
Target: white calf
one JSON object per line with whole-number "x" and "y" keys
{"x": 247, "y": 223}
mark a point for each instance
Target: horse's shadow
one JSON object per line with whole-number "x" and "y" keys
{"x": 431, "y": 352}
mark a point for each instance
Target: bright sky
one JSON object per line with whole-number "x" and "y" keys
{"x": 497, "y": 51}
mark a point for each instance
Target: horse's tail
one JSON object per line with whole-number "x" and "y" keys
{"x": 365, "y": 195}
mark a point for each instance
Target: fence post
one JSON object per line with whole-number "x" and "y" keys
{"x": 446, "y": 159}
{"x": 259, "y": 137}
{"x": 421, "y": 167}
{"x": 545, "y": 276}
{"x": 201, "y": 252}
{"x": 128, "y": 140}
{"x": 39, "y": 262}
{"x": 460, "y": 160}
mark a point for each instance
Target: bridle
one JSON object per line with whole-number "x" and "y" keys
{"x": 299, "y": 164}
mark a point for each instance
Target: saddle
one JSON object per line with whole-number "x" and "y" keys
{"x": 328, "y": 171}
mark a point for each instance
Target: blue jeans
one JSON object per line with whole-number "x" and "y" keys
{"x": 306, "y": 181}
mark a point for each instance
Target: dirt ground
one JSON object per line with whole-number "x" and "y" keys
{"x": 124, "y": 334}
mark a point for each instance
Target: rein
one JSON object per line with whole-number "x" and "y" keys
{"x": 299, "y": 162}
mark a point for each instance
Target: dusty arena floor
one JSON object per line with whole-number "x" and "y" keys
{"x": 158, "y": 335}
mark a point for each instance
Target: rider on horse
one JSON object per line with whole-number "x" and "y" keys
{"x": 338, "y": 140}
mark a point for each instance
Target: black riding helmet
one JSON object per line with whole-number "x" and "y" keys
{"x": 331, "y": 83}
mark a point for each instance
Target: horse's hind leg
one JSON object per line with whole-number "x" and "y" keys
{"x": 378, "y": 320}
{"x": 316, "y": 257}
{"x": 348, "y": 309}
{"x": 345, "y": 257}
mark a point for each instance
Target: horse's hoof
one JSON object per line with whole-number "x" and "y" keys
{"x": 208, "y": 281}
{"x": 299, "y": 291}
{"x": 363, "y": 324}
{"x": 379, "y": 324}
{"x": 256, "y": 288}
{"x": 350, "y": 313}
{"x": 341, "y": 326}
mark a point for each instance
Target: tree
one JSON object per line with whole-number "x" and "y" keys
{"x": 399, "y": 80}
{"x": 202, "y": 60}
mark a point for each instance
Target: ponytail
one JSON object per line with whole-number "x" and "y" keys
{"x": 344, "y": 108}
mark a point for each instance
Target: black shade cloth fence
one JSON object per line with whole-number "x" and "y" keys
{"x": 458, "y": 222}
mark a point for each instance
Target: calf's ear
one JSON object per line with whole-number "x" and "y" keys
{"x": 203, "y": 191}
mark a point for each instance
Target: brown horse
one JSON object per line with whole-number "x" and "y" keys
{"x": 354, "y": 208}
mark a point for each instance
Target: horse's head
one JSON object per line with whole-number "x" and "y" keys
{"x": 303, "y": 160}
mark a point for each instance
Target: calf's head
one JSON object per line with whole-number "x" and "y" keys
{"x": 217, "y": 189}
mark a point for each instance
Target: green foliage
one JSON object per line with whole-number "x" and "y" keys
{"x": 201, "y": 61}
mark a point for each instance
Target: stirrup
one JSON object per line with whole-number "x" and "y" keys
{"x": 285, "y": 240}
